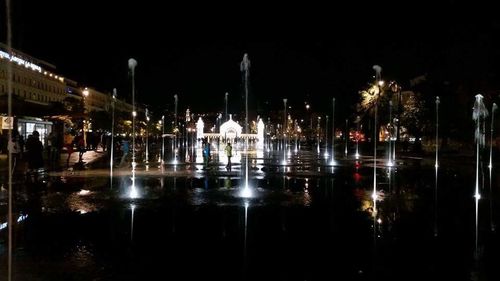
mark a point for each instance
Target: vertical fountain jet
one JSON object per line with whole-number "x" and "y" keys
{"x": 245, "y": 69}
{"x": 379, "y": 82}
{"x": 113, "y": 100}
{"x": 479, "y": 114}
{"x": 132, "y": 63}
{"x": 490, "y": 166}
{"x": 436, "y": 166}
{"x": 333, "y": 133}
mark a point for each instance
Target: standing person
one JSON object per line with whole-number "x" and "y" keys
{"x": 51, "y": 141}
{"x": 14, "y": 149}
{"x": 125, "y": 147}
{"x": 52, "y": 147}
{"x": 81, "y": 148}
{"x": 206, "y": 152}
{"x": 35, "y": 151}
{"x": 229, "y": 154}
{"x": 68, "y": 143}
{"x": 21, "y": 146}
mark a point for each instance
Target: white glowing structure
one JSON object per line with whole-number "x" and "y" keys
{"x": 260, "y": 133}
{"x": 199, "y": 128}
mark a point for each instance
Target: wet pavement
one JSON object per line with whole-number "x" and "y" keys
{"x": 303, "y": 221}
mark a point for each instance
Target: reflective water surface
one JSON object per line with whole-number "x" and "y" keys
{"x": 306, "y": 221}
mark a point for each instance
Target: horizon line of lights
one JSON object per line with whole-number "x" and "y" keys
{"x": 20, "y": 61}
{"x": 27, "y": 64}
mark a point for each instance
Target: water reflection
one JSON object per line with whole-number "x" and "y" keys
{"x": 335, "y": 213}
{"x": 132, "y": 209}
{"x": 436, "y": 201}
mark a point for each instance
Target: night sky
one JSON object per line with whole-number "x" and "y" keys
{"x": 310, "y": 54}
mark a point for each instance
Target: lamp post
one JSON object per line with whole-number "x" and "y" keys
{"x": 85, "y": 111}
{"x": 132, "y": 63}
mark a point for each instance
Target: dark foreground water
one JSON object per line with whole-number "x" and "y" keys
{"x": 304, "y": 224}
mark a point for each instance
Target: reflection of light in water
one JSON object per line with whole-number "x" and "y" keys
{"x": 22, "y": 218}
{"x": 19, "y": 219}
{"x": 78, "y": 203}
{"x": 199, "y": 156}
{"x": 84, "y": 192}
{"x": 260, "y": 156}
{"x": 246, "y": 224}
{"x": 379, "y": 220}
{"x": 133, "y": 193}
{"x": 436, "y": 201}
{"x": 132, "y": 207}
{"x": 246, "y": 192}
{"x": 333, "y": 163}
{"x": 357, "y": 177}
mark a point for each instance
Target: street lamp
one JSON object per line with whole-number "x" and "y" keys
{"x": 85, "y": 111}
{"x": 132, "y": 63}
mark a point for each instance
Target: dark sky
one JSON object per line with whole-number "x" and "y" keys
{"x": 308, "y": 53}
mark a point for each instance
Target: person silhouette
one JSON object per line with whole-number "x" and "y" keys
{"x": 229, "y": 154}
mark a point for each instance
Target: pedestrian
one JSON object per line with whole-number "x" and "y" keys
{"x": 206, "y": 152}
{"x": 35, "y": 152}
{"x": 229, "y": 154}
{"x": 125, "y": 147}
{"x": 14, "y": 150}
{"x": 81, "y": 148}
